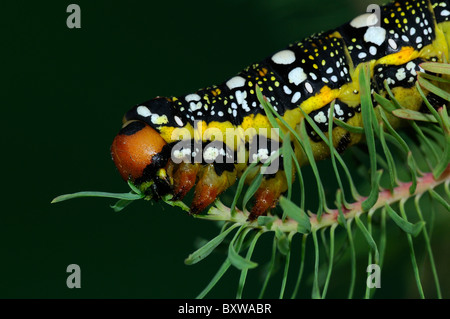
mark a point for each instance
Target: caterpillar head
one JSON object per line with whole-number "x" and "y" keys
{"x": 142, "y": 156}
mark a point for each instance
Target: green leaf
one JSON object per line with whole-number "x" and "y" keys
{"x": 121, "y": 204}
{"x": 287, "y": 153}
{"x": 286, "y": 267}
{"x": 352, "y": 258}
{"x": 241, "y": 185}
{"x": 222, "y": 270}
{"x": 411, "y": 163}
{"x": 297, "y": 214}
{"x": 348, "y": 127}
{"x": 244, "y": 271}
{"x": 316, "y": 291}
{"x": 266, "y": 221}
{"x": 368, "y": 237}
{"x": 436, "y": 67}
{"x": 306, "y": 144}
{"x": 414, "y": 115}
{"x": 440, "y": 199}
{"x": 412, "y": 229}
{"x": 429, "y": 250}
{"x": 433, "y": 88}
{"x": 341, "y": 218}
{"x": 302, "y": 265}
{"x": 373, "y": 196}
{"x": 271, "y": 267}
{"x": 282, "y": 242}
{"x": 134, "y": 188}
{"x": 251, "y": 190}
{"x": 412, "y": 253}
{"x": 237, "y": 260}
{"x": 178, "y": 203}
{"x": 384, "y": 103}
{"x": 389, "y": 158}
{"x": 433, "y": 77}
{"x": 205, "y": 250}
{"x": 330, "y": 261}
{"x": 368, "y": 123}
{"x": 428, "y": 104}
{"x": 125, "y": 196}
{"x": 269, "y": 110}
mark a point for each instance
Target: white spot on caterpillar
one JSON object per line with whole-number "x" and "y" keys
{"x": 362, "y": 55}
{"x": 329, "y": 70}
{"x": 241, "y": 96}
{"x": 210, "y": 153}
{"x": 263, "y": 154}
{"x": 143, "y": 111}
{"x": 373, "y": 50}
{"x": 297, "y": 76}
{"x": 364, "y": 20}
{"x": 401, "y": 74}
{"x": 338, "y": 110}
{"x": 411, "y": 66}
{"x": 235, "y": 82}
{"x": 287, "y": 90}
{"x": 192, "y": 97}
{"x": 284, "y": 57}
{"x": 412, "y": 31}
{"x": 445, "y": 13}
{"x": 179, "y": 121}
{"x": 155, "y": 118}
{"x": 159, "y": 119}
{"x": 392, "y": 44}
{"x": 195, "y": 106}
{"x": 375, "y": 35}
{"x": 320, "y": 117}
{"x": 296, "y": 97}
{"x": 405, "y": 38}
{"x": 419, "y": 39}
{"x": 309, "y": 87}
{"x": 334, "y": 78}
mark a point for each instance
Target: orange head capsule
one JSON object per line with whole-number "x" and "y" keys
{"x": 140, "y": 155}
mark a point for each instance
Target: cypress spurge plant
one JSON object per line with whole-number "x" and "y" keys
{"x": 402, "y": 170}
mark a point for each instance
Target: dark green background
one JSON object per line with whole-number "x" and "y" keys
{"x": 64, "y": 92}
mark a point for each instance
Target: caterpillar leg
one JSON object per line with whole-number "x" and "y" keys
{"x": 184, "y": 179}
{"x": 268, "y": 194}
{"x": 209, "y": 186}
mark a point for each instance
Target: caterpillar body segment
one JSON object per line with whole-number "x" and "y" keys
{"x": 220, "y": 125}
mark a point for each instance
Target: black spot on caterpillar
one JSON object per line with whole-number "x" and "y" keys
{"x": 307, "y": 75}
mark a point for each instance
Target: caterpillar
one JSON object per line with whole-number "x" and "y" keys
{"x": 305, "y": 76}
